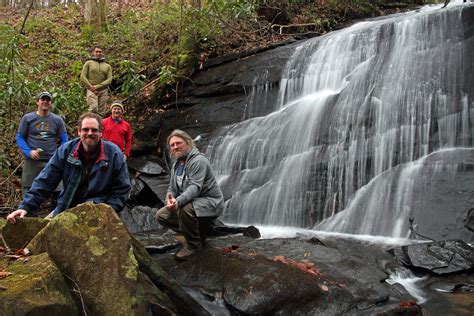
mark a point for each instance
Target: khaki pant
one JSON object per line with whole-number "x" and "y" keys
{"x": 31, "y": 169}
{"x": 97, "y": 102}
{"x": 185, "y": 221}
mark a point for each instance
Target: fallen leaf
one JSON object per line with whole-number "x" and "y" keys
{"x": 232, "y": 248}
{"x": 4, "y": 274}
{"x": 324, "y": 288}
{"x": 407, "y": 304}
{"x": 252, "y": 253}
{"x": 305, "y": 266}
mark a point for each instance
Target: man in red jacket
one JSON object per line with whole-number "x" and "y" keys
{"x": 117, "y": 130}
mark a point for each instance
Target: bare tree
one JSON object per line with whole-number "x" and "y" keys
{"x": 95, "y": 13}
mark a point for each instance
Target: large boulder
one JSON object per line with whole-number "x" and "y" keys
{"x": 35, "y": 287}
{"x": 289, "y": 276}
{"x": 440, "y": 257}
{"x": 90, "y": 245}
{"x": 18, "y": 235}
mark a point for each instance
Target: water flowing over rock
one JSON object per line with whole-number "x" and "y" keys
{"x": 371, "y": 101}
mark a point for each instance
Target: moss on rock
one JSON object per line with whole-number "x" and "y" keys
{"x": 35, "y": 287}
{"x": 90, "y": 244}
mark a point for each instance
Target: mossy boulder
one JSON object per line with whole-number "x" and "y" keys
{"x": 35, "y": 287}
{"x": 90, "y": 245}
{"x": 18, "y": 235}
{"x": 3, "y": 222}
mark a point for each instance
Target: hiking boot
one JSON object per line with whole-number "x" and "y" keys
{"x": 180, "y": 239}
{"x": 186, "y": 252}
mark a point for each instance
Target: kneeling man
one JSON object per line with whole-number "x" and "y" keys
{"x": 194, "y": 198}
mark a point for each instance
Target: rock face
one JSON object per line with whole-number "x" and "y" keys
{"x": 19, "y": 235}
{"x": 35, "y": 287}
{"x": 218, "y": 95}
{"x": 140, "y": 219}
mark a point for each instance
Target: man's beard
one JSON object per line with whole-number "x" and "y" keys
{"x": 180, "y": 154}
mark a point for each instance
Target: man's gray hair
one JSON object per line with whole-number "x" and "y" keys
{"x": 181, "y": 134}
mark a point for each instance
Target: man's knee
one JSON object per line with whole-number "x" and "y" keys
{"x": 162, "y": 215}
{"x": 188, "y": 211}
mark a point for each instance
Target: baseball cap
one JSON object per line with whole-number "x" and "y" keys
{"x": 44, "y": 94}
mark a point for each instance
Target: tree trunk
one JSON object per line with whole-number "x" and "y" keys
{"x": 95, "y": 13}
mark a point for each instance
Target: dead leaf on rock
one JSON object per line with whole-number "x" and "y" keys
{"x": 408, "y": 304}
{"x": 305, "y": 266}
{"x": 4, "y": 274}
{"x": 252, "y": 253}
{"x": 324, "y": 288}
{"x": 232, "y": 248}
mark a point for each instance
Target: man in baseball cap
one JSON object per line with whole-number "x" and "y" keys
{"x": 37, "y": 137}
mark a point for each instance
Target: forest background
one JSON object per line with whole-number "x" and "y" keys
{"x": 153, "y": 47}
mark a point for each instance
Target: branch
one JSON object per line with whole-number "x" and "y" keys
{"x": 26, "y": 16}
{"x": 13, "y": 172}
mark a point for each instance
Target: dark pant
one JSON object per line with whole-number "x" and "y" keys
{"x": 184, "y": 221}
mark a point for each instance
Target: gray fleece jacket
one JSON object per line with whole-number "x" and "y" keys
{"x": 199, "y": 186}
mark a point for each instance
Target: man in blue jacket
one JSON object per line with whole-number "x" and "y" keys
{"x": 91, "y": 169}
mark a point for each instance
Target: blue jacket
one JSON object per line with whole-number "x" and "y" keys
{"x": 108, "y": 180}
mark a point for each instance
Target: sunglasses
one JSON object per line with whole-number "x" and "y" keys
{"x": 86, "y": 130}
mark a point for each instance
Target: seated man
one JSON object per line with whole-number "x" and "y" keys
{"x": 92, "y": 169}
{"x": 194, "y": 198}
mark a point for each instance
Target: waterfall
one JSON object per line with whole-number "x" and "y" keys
{"x": 354, "y": 106}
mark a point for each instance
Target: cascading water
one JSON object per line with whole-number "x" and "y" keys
{"x": 353, "y": 105}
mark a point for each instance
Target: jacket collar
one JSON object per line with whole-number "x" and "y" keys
{"x": 75, "y": 153}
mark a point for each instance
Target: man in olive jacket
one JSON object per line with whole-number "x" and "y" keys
{"x": 194, "y": 198}
{"x": 96, "y": 76}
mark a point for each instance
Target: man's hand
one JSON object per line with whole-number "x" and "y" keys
{"x": 13, "y": 215}
{"x": 93, "y": 89}
{"x": 35, "y": 154}
{"x": 171, "y": 203}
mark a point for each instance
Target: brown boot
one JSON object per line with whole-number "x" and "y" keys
{"x": 186, "y": 252}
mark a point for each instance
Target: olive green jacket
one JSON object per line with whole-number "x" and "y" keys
{"x": 96, "y": 73}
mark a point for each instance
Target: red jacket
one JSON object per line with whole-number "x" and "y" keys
{"x": 118, "y": 133}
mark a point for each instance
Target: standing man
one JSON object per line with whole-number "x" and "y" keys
{"x": 194, "y": 198}
{"x": 91, "y": 169}
{"x": 39, "y": 135}
{"x": 96, "y": 76}
{"x": 117, "y": 130}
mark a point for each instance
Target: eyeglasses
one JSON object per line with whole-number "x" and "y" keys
{"x": 86, "y": 130}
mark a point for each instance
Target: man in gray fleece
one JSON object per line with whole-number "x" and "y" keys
{"x": 194, "y": 198}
